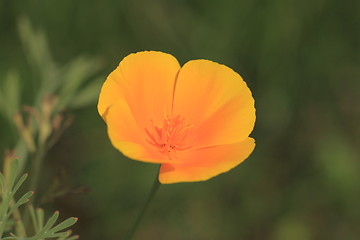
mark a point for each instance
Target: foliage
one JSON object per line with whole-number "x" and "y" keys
{"x": 39, "y": 125}
{"x": 58, "y": 88}
{"x": 8, "y": 206}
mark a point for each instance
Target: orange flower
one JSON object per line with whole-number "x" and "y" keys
{"x": 194, "y": 120}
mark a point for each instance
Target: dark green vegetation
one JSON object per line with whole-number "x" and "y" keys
{"x": 301, "y": 60}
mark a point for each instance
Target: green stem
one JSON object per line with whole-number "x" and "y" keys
{"x": 37, "y": 164}
{"x": 154, "y": 189}
{"x": 4, "y": 216}
{"x": 19, "y": 225}
{"x": 36, "y": 171}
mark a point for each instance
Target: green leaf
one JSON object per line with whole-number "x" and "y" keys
{"x": 13, "y": 173}
{"x": 65, "y": 237}
{"x": 40, "y": 217}
{"x": 22, "y": 153}
{"x": 3, "y": 184}
{"x": 50, "y": 222}
{"x": 35, "y": 45}
{"x": 19, "y": 183}
{"x": 38, "y": 54}
{"x": 10, "y": 95}
{"x": 88, "y": 94}
{"x": 65, "y": 224}
{"x": 54, "y": 235}
{"x": 47, "y": 231}
{"x": 24, "y": 199}
{"x": 75, "y": 74}
{"x": 34, "y": 219}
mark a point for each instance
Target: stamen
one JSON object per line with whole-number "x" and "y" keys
{"x": 171, "y": 137}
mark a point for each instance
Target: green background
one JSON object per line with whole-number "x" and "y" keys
{"x": 301, "y": 59}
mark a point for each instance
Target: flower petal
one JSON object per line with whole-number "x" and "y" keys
{"x": 216, "y": 100}
{"x": 202, "y": 164}
{"x": 127, "y": 137}
{"x": 145, "y": 80}
{"x": 110, "y": 93}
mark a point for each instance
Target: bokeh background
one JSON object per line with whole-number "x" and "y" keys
{"x": 301, "y": 59}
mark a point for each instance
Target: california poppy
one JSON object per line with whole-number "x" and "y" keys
{"x": 194, "y": 120}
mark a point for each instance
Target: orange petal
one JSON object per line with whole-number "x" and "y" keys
{"x": 145, "y": 80}
{"x": 127, "y": 137}
{"x": 110, "y": 93}
{"x": 205, "y": 163}
{"x": 216, "y": 101}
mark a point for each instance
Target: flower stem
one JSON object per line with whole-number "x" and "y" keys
{"x": 36, "y": 171}
{"x": 154, "y": 189}
{"x": 37, "y": 165}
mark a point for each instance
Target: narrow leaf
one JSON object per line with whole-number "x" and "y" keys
{"x": 24, "y": 199}
{"x": 54, "y": 235}
{"x": 19, "y": 183}
{"x": 40, "y": 217}
{"x": 65, "y": 224}
{"x": 34, "y": 218}
{"x": 3, "y": 184}
{"x": 50, "y": 222}
{"x": 65, "y": 237}
{"x": 87, "y": 95}
{"x": 13, "y": 172}
{"x": 12, "y": 94}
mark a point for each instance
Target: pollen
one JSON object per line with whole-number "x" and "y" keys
{"x": 171, "y": 137}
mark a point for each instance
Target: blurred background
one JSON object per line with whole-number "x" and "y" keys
{"x": 301, "y": 59}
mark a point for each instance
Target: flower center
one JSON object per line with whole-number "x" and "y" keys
{"x": 171, "y": 137}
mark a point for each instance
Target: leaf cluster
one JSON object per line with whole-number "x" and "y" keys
{"x": 10, "y": 217}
